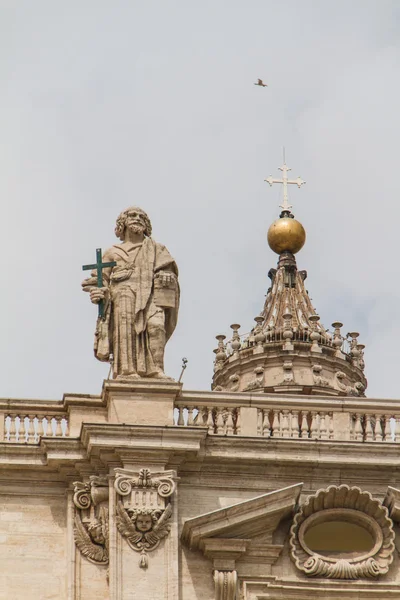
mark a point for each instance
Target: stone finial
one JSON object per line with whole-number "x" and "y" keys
{"x": 220, "y": 353}
{"x": 259, "y": 335}
{"x": 354, "y": 351}
{"x": 315, "y": 336}
{"x": 235, "y": 339}
{"x": 337, "y": 338}
{"x": 288, "y": 329}
{"x": 361, "y": 363}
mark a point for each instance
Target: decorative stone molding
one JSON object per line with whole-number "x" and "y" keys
{"x": 288, "y": 376}
{"x": 392, "y": 503}
{"x": 91, "y": 519}
{"x": 319, "y": 380}
{"x": 350, "y": 505}
{"x": 258, "y": 380}
{"x": 234, "y": 382}
{"x": 357, "y": 389}
{"x": 143, "y": 509}
{"x": 225, "y": 585}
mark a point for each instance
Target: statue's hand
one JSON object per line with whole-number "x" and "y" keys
{"x": 98, "y": 294}
{"x": 89, "y": 283}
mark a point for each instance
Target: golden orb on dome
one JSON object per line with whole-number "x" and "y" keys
{"x": 286, "y": 235}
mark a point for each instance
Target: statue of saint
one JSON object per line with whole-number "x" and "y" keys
{"x": 141, "y": 300}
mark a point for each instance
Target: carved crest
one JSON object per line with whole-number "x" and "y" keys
{"x": 339, "y": 505}
{"x": 143, "y": 510}
{"x": 91, "y": 519}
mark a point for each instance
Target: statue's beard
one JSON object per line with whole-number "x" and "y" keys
{"x": 138, "y": 229}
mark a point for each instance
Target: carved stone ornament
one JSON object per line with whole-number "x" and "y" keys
{"x": 91, "y": 519}
{"x": 225, "y": 585}
{"x": 357, "y": 389}
{"x": 143, "y": 510}
{"x": 332, "y": 508}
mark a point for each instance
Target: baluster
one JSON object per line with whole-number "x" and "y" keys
{"x": 28, "y": 429}
{"x": 190, "y": 416}
{"x": 238, "y": 422}
{"x": 41, "y": 427}
{"x": 358, "y": 430}
{"x": 396, "y": 429}
{"x": 304, "y": 425}
{"x": 276, "y": 425}
{"x": 181, "y": 421}
{"x": 295, "y": 426}
{"x": 13, "y": 431}
{"x": 58, "y": 431}
{"x": 352, "y": 427}
{"x": 331, "y": 430}
{"x": 388, "y": 430}
{"x": 35, "y": 426}
{"x": 369, "y": 432}
{"x": 314, "y": 425}
{"x": 210, "y": 420}
{"x": 17, "y": 422}
{"x": 66, "y": 427}
{"x": 7, "y": 428}
{"x": 323, "y": 432}
{"x": 229, "y": 423}
{"x": 260, "y": 420}
{"x": 203, "y": 416}
{"x": 220, "y": 421}
{"x": 378, "y": 428}
{"x": 266, "y": 426}
{"x": 49, "y": 426}
{"x": 285, "y": 423}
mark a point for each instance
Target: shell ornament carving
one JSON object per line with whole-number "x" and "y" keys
{"x": 356, "y": 508}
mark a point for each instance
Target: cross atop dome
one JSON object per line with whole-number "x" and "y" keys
{"x": 285, "y": 182}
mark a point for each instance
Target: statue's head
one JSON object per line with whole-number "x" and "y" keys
{"x": 96, "y": 531}
{"x": 134, "y": 218}
{"x": 144, "y": 523}
{"x": 144, "y": 518}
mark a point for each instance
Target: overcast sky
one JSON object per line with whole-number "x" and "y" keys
{"x": 105, "y": 104}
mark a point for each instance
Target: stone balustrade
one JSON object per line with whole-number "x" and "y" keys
{"x": 277, "y": 416}
{"x": 28, "y": 428}
{"x": 26, "y": 421}
{"x": 247, "y": 340}
{"x": 291, "y": 417}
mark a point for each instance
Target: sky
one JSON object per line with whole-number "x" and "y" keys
{"x": 105, "y": 104}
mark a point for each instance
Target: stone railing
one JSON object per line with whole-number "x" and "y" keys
{"x": 26, "y": 421}
{"x": 276, "y": 337}
{"x": 291, "y": 417}
{"x": 27, "y": 429}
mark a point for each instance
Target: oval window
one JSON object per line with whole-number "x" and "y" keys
{"x": 339, "y": 539}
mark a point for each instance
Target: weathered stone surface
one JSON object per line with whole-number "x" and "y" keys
{"x": 141, "y": 300}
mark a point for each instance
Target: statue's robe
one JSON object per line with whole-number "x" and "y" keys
{"x": 130, "y": 307}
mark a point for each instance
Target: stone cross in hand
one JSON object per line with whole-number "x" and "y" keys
{"x": 99, "y": 266}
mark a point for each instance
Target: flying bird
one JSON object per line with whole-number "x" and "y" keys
{"x": 261, "y": 83}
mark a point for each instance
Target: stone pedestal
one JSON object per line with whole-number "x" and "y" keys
{"x": 141, "y": 402}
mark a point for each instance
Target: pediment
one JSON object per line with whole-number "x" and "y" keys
{"x": 227, "y": 534}
{"x": 243, "y": 520}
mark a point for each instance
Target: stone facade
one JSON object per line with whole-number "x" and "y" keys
{"x": 187, "y": 495}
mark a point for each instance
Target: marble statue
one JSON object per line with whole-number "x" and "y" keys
{"x": 140, "y": 296}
